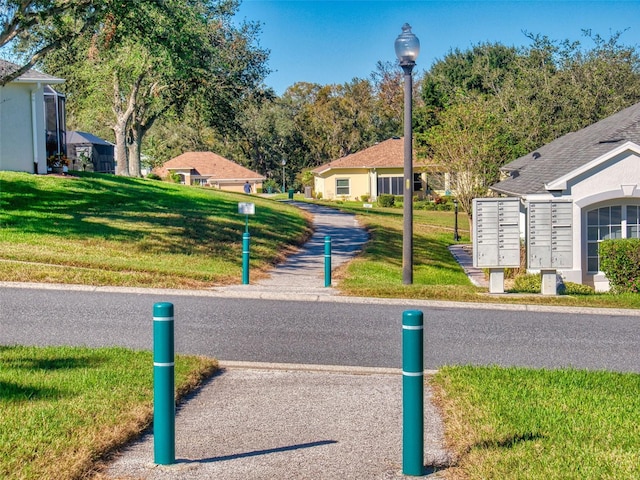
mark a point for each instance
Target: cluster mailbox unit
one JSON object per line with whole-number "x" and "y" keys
{"x": 549, "y": 239}
{"x": 496, "y": 237}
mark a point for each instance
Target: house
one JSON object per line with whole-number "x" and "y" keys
{"x": 209, "y": 169}
{"x": 596, "y": 171}
{"x": 368, "y": 173}
{"x": 97, "y": 152}
{"x": 32, "y": 121}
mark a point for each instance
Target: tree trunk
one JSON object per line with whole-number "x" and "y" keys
{"x": 123, "y": 115}
{"x": 122, "y": 167}
{"x": 133, "y": 142}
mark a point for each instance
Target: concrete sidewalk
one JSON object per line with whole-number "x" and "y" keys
{"x": 292, "y": 421}
{"x": 303, "y": 272}
{"x": 278, "y": 422}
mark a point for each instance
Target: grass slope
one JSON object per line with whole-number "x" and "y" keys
{"x": 108, "y": 230}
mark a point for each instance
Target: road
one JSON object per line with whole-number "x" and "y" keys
{"x": 322, "y": 332}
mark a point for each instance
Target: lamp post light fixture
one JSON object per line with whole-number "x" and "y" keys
{"x": 284, "y": 181}
{"x": 456, "y": 237}
{"x": 407, "y": 48}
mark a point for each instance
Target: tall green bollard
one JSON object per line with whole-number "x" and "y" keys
{"x": 246, "y": 240}
{"x": 327, "y": 261}
{"x": 164, "y": 406}
{"x": 412, "y": 393}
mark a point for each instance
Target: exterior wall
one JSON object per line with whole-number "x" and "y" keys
{"x": 359, "y": 183}
{"x": 615, "y": 182}
{"x": 363, "y": 182}
{"x": 234, "y": 185}
{"x": 17, "y": 145}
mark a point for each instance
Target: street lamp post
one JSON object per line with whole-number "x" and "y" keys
{"x": 456, "y": 237}
{"x": 284, "y": 181}
{"x": 407, "y": 48}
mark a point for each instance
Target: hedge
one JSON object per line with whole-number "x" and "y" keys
{"x": 620, "y": 262}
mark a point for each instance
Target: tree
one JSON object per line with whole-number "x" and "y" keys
{"x": 471, "y": 144}
{"x": 42, "y": 25}
{"x": 157, "y": 57}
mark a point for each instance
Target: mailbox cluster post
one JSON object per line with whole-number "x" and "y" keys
{"x": 496, "y": 240}
{"x": 550, "y": 239}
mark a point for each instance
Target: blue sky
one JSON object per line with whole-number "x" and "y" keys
{"x": 333, "y": 41}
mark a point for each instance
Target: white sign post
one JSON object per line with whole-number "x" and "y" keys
{"x": 496, "y": 237}
{"x": 246, "y": 209}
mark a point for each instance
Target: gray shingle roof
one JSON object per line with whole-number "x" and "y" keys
{"x": 30, "y": 76}
{"x": 530, "y": 173}
{"x": 84, "y": 137}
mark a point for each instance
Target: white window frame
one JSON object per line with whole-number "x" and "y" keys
{"x": 629, "y": 227}
{"x": 340, "y": 188}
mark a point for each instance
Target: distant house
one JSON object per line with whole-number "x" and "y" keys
{"x": 209, "y": 169}
{"x": 597, "y": 170}
{"x": 99, "y": 152}
{"x": 32, "y": 121}
{"x": 368, "y": 173}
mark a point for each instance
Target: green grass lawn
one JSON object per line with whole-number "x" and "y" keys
{"x": 436, "y": 274}
{"x": 106, "y": 230}
{"x": 62, "y": 409}
{"x": 66, "y": 407}
{"x": 522, "y": 424}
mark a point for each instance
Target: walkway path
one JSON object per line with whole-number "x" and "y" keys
{"x": 264, "y": 421}
{"x": 303, "y": 272}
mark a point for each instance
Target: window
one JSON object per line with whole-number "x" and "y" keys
{"x": 390, "y": 185}
{"x": 417, "y": 182}
{"x": 619, "y": 221}
{"x": 342, "y": 186}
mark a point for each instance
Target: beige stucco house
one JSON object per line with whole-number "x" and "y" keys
{"x": 28, "y": 128}
{"x": 596, "y": 171}
{"x": 211, "y": 170}
{"x": 367, "y": 174}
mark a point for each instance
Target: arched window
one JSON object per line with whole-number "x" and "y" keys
{"x": 604, "y": 223}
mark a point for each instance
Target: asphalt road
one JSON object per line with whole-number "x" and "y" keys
{"x": 322, "y": 332}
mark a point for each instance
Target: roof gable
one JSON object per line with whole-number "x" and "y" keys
{"x": 387, "y": 154}
{"x": 211, "y": 165}
{"x": 30, "y": 76}
{"x": 550, "y": 166}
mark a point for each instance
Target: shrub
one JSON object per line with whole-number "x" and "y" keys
{"x": 528, "y": 283}
{"x": 532, "y": 283}
{"x": 153, "y": 176}
{"x": 577, "y": 289}
{"x": 620, "y": 262}
{"x": 386, "y": 200}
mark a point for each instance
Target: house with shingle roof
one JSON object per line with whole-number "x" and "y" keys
{"x": 209, "y": 169}
{"x": 32, "y": 120}
{"x": 368, "y": 173}
{"x": 597, "y": 170}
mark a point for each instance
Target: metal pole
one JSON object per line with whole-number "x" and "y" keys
{"x": 246, "y": 240}
{"x": 164, "y": 406}
{"x": 412, "y": 393}
{"x": 407, "y": 235}
{"x": 327, "y": 261}
{"x": 456, "y": 237}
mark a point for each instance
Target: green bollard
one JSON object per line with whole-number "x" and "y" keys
{"x": 246, "y": 240}
{"x": 412, "y": 393}
{"x": 164, "y": 406}
{"x": 327, "y": 261}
